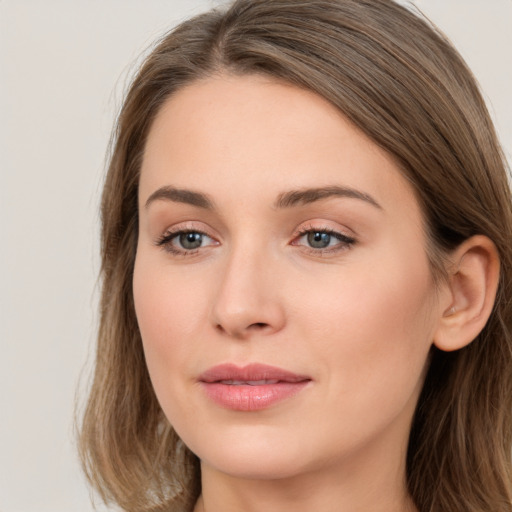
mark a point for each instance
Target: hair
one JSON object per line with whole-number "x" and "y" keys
{"x": 400, "y": 81}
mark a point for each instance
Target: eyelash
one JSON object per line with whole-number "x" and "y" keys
{"x": 346, "y": 242}
{"x": 165, "y": 241}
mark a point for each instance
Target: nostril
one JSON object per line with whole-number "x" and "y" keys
{"x": 243, "y": 333}
{"x": 258, "y": 325}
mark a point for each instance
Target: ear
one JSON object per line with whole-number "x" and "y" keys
{"x": 472, "y": 286}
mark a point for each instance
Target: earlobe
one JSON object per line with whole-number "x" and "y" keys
{"x": 473, "y": 283}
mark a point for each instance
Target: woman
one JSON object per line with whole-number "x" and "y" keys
{"x": 306, "y": 272}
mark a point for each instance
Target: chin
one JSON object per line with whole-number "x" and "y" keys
{"x": 252, "y": 455}
{"x": 254, "y": 466}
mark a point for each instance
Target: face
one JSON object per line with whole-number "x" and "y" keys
{"x": 281, "y": 283}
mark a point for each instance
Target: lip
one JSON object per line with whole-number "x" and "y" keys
{"x": 250, "y": 388}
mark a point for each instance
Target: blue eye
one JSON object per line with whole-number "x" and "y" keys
{"x": 319, "y": 239}
{"x": 184, "y": 241}
{"x": 190, "y": 240}
{"x": 327, "y": 240}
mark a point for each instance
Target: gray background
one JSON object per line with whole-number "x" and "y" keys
{"x": 63, "y": 68}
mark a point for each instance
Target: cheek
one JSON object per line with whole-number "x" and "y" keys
{"x": 363, "y": 297}
{"x": 170, "y": 313}
{"x": 372, "y": 329}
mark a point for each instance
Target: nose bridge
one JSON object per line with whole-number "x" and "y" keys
{"x": 247, "y": 298}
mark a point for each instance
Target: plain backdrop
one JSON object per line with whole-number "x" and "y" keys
{"x": 63, "y": 68}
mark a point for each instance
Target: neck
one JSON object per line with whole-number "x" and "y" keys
{"x": 357, "y": 485}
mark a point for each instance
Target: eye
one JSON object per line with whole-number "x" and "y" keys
{"x": 323, "y": 240}
{"x": 185, "y": 242}
{"x": 190, "y": 240}
{"x": 319, "y": 239}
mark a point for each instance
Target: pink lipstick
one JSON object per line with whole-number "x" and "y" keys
{"x": 250, "y": 388}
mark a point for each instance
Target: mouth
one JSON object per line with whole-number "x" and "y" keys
{"x": 250, "y": 388}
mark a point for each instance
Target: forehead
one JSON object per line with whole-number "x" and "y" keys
{"x": 236, "y": 134}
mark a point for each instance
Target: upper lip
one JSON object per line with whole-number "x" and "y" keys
{"x": 250, "y": 373}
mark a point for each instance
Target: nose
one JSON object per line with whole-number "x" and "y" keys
{"x": 248, "y": 300}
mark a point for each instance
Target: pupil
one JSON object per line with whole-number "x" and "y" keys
{"x": 319, "y": 240}
{"x": 191, "y": 240}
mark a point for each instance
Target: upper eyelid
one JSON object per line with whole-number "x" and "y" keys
{"x": 174, "y": 233}
{"x": 321, "y": 226}
{"x": 342, "y": 237}
{"x": 190, "y": 226}
{"x": 301, "y": 230}
{"x": 324, "y": 229}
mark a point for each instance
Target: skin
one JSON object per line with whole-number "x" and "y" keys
{"x": 357, "y": 318}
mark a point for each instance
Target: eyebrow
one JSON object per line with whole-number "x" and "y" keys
{"x": 285, "y": 200}
{"x": 179, "y": 195}
{"x": 310, "y": 195}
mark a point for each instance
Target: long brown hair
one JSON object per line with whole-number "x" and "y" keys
{"x": 402, "y": 83}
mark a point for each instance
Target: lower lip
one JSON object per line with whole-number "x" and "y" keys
{"x": 251, "y": 398}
